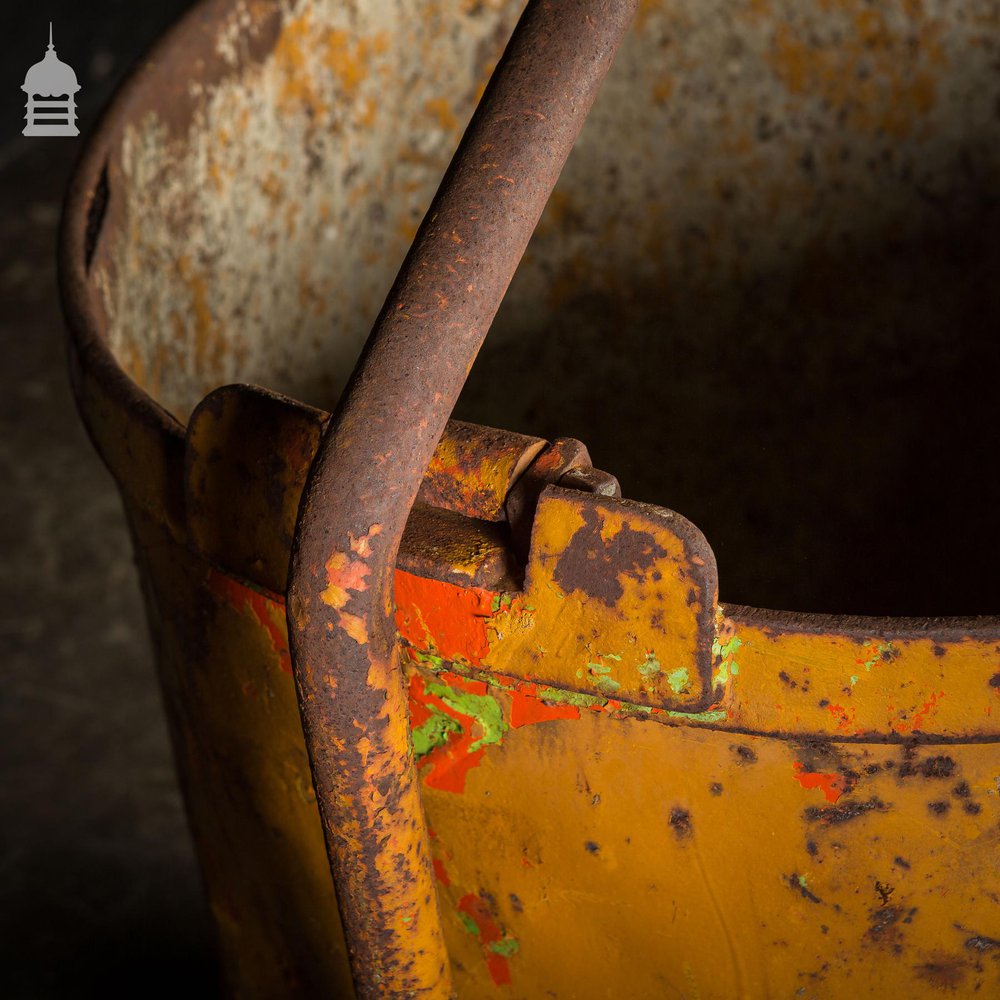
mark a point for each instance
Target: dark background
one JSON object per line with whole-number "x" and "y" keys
{"x": 99, "y": 890}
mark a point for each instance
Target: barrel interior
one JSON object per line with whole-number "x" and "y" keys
{"x": 764, "y": 293}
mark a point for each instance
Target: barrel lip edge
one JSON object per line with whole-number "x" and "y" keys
{"x": 80, "y": 312}
{"x": 944, "y": 628}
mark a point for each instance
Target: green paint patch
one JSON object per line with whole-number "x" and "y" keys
{"x": 570, "y": 697}
{"x": 678, "y": 680}
{"x": 725, "y": 652}
{"x": 881, "y": 651}
{"x": 854, "y": 679}
{"x": 713, "y": 715}
{"x": 469, "y": 924}
{"x": 483, "y": 708}
{"x": 434, "y": 732}
{"x": 650, "y": 667}
{"x": 506, "y": 947}
{"x": 434, "y": 663}
{"x": 504, "y": 602}
{"x": 487, "y": 711}
{"x": 599, "y": 674}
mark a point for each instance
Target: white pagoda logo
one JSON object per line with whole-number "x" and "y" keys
{"x": 51, "y": 88}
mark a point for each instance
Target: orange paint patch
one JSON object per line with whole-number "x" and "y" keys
{"x": 476, "y": 909}
{"x": 440, "y": 617}
{"x": 448, "y": 765}
{"x": 355, "y": 627}
{"x": 344, "y": 574}
{"x": 914, "y": 723}
{"x": 526, "y": 708}
{"x": 499, "y": 969}
{"x": 268, "y": 612}
{"x": 440, "y": 873}
{"x": 362, "y": 546}
{"x": 844, "y": 717}
{"x": 832, "y": 785}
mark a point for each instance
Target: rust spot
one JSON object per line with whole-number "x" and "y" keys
{"x": 962, "y": 790}
{"x": 798, "y": 884}
{"x": 821, "y": 765}
{"x": 994, "y": 681}
{"x": 902, "y": 862}
{"x": 834, "y": 815}
{"x": 932, "y": 767}
{"x": 943, "y": 971}
{"x": 594, "y": 566}
{"x": 884, "y": 891}
{"x": 715, "y": 788}
{"x": 680, "y": 821}
{"x": 972, "y": 808}
{"x": 982, "y": 943}
{"x": 882, "y": 923}
{"x": 743, "y": 753}
{"x": 592, "y": 847}
{"x": 938, "y": 808}
{"x": 786, "y": 680}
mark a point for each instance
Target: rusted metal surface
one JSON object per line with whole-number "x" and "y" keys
{"x": 474, "y": 468}
{"x": 561, "y": 459}
{"x": 246, "y": 441}
{"x": 818, "y": 815}
{"x": 373, "y": 457}
{"x": 254, "y": 444}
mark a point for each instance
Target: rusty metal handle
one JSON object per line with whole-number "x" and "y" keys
{"x": 370, "y": 463}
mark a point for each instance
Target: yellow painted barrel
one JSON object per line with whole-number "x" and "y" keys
{"x": 764, "y": 293}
